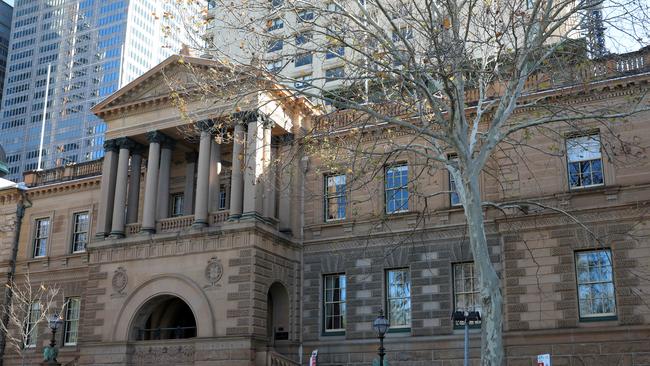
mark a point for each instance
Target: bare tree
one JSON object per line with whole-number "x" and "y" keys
{"x": 437, "y": 80}
{"x": 30, "y": 307}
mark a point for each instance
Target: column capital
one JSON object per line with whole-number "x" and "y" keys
{"x": 246, "y": 116}
{"x": 125, "y": 143}
{"x": 205, "y": 125}
{"x": 156, "y": 136}
{"x": 191, "y": 156}
{"x": 110, "y": 145}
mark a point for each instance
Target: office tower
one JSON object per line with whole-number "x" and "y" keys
{"x": 6, "y": 12}
{"x": 93, "y": 47}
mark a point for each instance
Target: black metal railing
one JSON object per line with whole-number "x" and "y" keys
{"x": 144, "y": 334}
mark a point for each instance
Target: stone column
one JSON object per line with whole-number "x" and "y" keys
{"x": 203, "y": 179}
{"x": 269, "y": 173}
{"x": 133, "y": 201}
{"x": 166, "y": 148}
{"x": 107, "y": 190}
{"x": 188, "y": 192}
{"x": 236, "y": 178}
{"x": 285, "y": 179}
{"x": 121, "y": 182}
{"x": 151, "y": 183}
{"x": 253, "y": 182}
{"x": 215, "y": 171}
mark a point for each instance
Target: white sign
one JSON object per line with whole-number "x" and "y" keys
{"x": 313, "y": 358}
{"x": 544, "y": 360}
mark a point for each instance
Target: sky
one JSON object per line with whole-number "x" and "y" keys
{"x": 10, "y": 2}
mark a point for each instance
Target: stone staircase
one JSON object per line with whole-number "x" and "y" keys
{"x": 272, "y": 358}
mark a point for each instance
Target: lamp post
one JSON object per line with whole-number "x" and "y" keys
{"x": 463, "y": 318}
{"x": 381, "y": 325}
{"x": 51, "y": 352}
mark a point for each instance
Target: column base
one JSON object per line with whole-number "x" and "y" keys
{"x": 199, "y": 224}
{"x": 234, "y": 217}
{"x": 252, "y": 216}
{"x": 116, "y": 234}
{"x": 100, "y": 235}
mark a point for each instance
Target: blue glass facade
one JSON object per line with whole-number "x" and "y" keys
{"x": 94, "y": 47}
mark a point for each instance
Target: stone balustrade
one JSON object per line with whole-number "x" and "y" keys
{"x": 175, "y": 223}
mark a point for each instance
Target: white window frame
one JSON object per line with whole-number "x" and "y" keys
{"x": 404, "y": 187}
{"x": 459, "y": 285}
{"x": 40, "y": 238}
{"x": 77, "y": 231}
{"x": 590, "y": 283}
{"x": 588, "y": 157}
{"x": 173, "y": 207}
{"x": 341, "y": 301}
{"x": 335, "y": 196}
{"x": 391, "y": 298}
{"x": 31, "y": 324}
{"x": 71, "y": 321}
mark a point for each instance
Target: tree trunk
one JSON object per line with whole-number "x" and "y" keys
{"x": 490, "y": 286}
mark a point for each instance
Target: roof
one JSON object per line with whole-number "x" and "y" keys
{"x": 5, "y": 184}
{"x": 120, "y": 97}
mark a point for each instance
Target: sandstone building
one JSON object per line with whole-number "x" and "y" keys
{"x": 219, "y": 241}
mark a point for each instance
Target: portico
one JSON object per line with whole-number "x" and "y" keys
{"x": 222, "y": 165}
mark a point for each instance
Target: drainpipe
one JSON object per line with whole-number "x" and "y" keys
{"x": 304, "y": 169}
{"x": 20, "y": 213}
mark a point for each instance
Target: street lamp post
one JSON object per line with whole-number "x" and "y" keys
{"x": 463, "y": 318}
{"x": 51, "y": 352}
{"x": 381, "y": 325}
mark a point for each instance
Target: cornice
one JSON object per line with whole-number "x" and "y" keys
{"x": 65, "y": 187}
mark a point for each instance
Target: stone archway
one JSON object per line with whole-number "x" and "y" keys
{"x": 184, "y": 289}
{"x": 163, "y": 317}
{"x": 277, "y": 320}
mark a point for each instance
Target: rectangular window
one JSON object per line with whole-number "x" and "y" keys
{"x": 466, "y": 288}
{"x": 80, "y": 232}
{"x": 302, "y": 81}
{"x": 585, "y": 165}
{"x": 305, "y": 16}
{"x": 304, "y": 59}
{"x": 596, "y": 295}
{"x": 335, "y": 51}
{"x": 398, "y": 297}
{"x": 303, "y": 38}
{"x": 336, "y": 73}
{"x": 41, "y": 233}
{"x": 275, "y": 45}
{"x": 31, "y": 324}
{"x": 71, "y": 329}
{"x": 335, "y": 197}
{"x": 176, "y": 207}
{"x": 223, "y": 197}
{"x": 334, "y": 303}
{"x": 454, "y": 200}
{"x": 397, "y": 195}
{"x": 274, "y": 24}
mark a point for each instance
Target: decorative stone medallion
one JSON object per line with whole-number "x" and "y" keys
{"x": 213, "y": 271}
{"x": 120, "y": 280}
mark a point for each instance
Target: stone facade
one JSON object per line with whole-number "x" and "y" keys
{"x": 253, "y": 280}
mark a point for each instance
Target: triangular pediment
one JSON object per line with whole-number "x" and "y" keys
{"x": 152, "y": 85}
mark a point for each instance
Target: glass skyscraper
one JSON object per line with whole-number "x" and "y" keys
{"x": 94, "y": 47}
{"x": 6, "y": 12}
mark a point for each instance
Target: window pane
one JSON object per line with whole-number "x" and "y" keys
{"x": 596, "y": 293}
{"x": 334, "y": 302}
{"x": 398, "y": 293}
{"x": 584, "y": 161}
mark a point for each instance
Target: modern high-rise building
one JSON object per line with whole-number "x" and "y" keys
{"x": 6, "y": 12}
{"x": 92, "y": 48}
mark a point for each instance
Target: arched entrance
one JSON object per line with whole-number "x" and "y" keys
{"x": 163, "y": 317}
{"x": 277, "y": 320}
